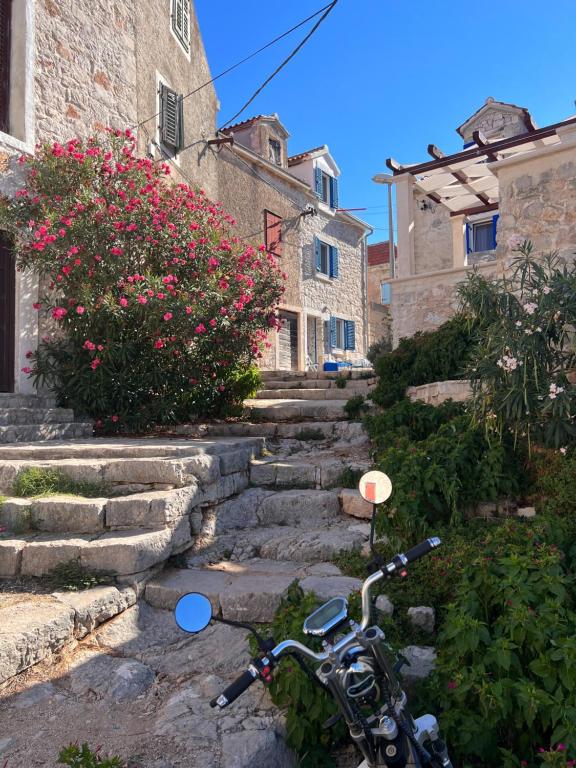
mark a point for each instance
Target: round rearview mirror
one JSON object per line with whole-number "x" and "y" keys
{"x": 193, "y": 612}
{"x": 375, "y": 487}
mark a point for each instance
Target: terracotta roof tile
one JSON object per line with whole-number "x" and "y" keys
{"x": 246, "y": 123}
{"x": 295, "y": 159}
{"x": 379, "y": 253}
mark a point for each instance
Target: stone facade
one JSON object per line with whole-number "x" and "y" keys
{"x": 77, "y": 67}
{"x": 379, "y": 314}
{"x": 531, "y": 194}
{"x": 252, "y": 181}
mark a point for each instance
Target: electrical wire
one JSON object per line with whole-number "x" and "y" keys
{"x": 242, "y": 61}
{"x": 278, "y": 69}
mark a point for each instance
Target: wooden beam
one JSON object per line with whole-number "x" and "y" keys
{"x": 394, "y": 166}
{"x": 435, "y": 152}
{"x": 476, "y": 209}
{"x": 482, "y": 141}
{"x": 477, "y": 152}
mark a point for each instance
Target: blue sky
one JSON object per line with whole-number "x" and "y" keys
{"x": 382, "y": 78}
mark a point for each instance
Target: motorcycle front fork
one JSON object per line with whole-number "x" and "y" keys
{"x": 426, "y": 729}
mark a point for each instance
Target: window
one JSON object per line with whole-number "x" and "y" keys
{"x": 181, "y": 23}
{"x": 326, "y": 187}
{"x": 275, "y": 152}
{"x": 342, "y": 334}
{"x": 385, "y": 293}
{"x": 327, "y": 259}
{"x": 171, "y": 120}
{"x": 273, "y": 233}
{"x": 5, "y": 43}
{"x": 481, "y": 235}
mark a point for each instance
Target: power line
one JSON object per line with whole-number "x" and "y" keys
{"x": 243, "y": 61}
{"x": 327, "y": 11}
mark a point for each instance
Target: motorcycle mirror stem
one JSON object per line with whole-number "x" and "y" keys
{"x": 265, "y": 645}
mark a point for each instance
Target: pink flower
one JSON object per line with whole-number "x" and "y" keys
{"x": 80, "y": 309}
{"x": 123, "y": 302}
{"x": 114, "y": 418}
{"x": 158, "y": 344}
{"x": 200, "y": 328}
{"x": 188, "y": 310}
{"x": 36, "y": 305}
{"x": 89, "y": 345}
{"x": 26, "y": 370}
{"x": 95, "y": 363}
{"x": 116, "y": 251}
{"x": 168, "y": 316}
{"x": 213, "y": 323}
{"x": 100, "y": 347}
{"x": 452, "y": 684}
{"x": 58, "y": 313}
{"x": 142, "y": 300}
{"x": 29, "y": 354}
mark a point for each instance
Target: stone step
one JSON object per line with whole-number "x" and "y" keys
{"x": 119, "y": 553}
{"x": 24, "y": 433}
{"x": 11, "y": 416}
{"x": 331, "y": 384}
{"x": 9, "y": 400}
{"x": 33, "y": 630}
{"x": 297, "y": 410}
{"x": 281, "y": 543}
{"x": 127, "y": 448}
{"x": 251, "y": 590}
{"x": 257, "y": 507}
{"x": 296, "y": 473}
{"x": 311, "y": 394}
{"x": 306, "y": 431}
{"x": 349, "y": 373}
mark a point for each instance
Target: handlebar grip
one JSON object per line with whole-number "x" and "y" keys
{"x": 421, "y": 549}
{"x": 235, "y": 689}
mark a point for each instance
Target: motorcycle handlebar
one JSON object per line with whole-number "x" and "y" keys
{"x": 236, "y": 688}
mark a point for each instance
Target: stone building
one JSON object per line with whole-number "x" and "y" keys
{"x": 291, "y": 204}
{"x": 71, "y": 67}
{"x": 379, "y": 316}
{"x": 457, "y": 212}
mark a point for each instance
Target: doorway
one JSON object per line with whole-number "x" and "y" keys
{"x": 7, "y": 313}
{"x": 288, "y": 342}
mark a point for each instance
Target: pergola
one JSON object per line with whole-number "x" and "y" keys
{"x": 464, "y": 182}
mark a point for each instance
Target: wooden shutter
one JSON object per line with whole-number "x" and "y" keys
{"x": 494, "y": 228}
{"x": 349, "y": 335}
{"x": 171, "y": 123}
{"x": 333, "y": 334}
{"x": 273, "y": 233}
{"x": 468, "y": 239}
{"x": 334, "y": 261}
{"x": 181, "y": 22}
{"x": 318, "y": 254}
{"x": 333, "y": 192}
{"x": 7, "y": 314}
{"x": 318, "y": 182}
{"x": 5, "y": 41}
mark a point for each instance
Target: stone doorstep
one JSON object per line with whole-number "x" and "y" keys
{"x": 24, "y": 415}
{"x": 33, "y": 630}
{"x": 248, "y": 591}
{"x": 26, "y": 433}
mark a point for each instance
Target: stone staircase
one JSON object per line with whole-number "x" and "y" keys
{"x": 25, "y": 418}
{"x": 317, "y": 395}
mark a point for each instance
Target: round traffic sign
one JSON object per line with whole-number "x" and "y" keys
{"x": 375, "y": 487}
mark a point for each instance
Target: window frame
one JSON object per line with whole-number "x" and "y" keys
{"x": 340, "y": 333}
{"x": 324, "y": 248}
{"x": 5, "y": 81}
{"x": 267, "y": 227}
{"x": 167, "y": 150}
{"x": 184, "y": 45}
{"x": 385, "y": 293}
{"x": 481, "y": 221}
{"x": 273, "y": 146}
{"x": 325, "y": 187}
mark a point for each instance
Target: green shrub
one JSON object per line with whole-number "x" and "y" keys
{"x": 378, "y": 349}
{"x": 439, "y": 464}
{"x": 554, "y": 481}
{"x": 355, "y": 407}
{"x": 519, "y": 370}
{"x": 341, "y": 382}
{"x": 426, "y": 357}
{"x": 506, "y": 673}
{"x": 83, "y": 757}
{"x": 36, "y": 481}
{"x": 73, "y": 577}
{"x": 350, "y": 477}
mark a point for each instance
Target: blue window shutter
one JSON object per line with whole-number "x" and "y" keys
{"x": 333, "y": 192}
{"x": 349, "y": 334}
{"x": 494, "y": 227}
{"x": 333, "y": 338}
{"x": 318, "y": 255}
{"x": 334, "y": 261}
{"x": 318, "y": 182}
{"x": 468, "y": 239}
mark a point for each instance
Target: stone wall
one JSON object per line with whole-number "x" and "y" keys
{"x": 438, "y": 392}
{"x": 379, "y": 315}
{"x": 432, "y": 235}
{"x": 538, "y": 201}
{"x": 423, "y": 302}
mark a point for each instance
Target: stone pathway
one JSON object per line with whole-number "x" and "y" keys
{"x": 35, "y": 417}
{"x": 108, "y": 665}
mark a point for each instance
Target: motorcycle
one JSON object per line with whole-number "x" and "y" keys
{"x": 354, "y": 667}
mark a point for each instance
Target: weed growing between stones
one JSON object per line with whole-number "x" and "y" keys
{"x": 36, "y": 481}
{"x": 83, "y": 757}
{"x": 349, "y": 478}
{"x": 355, "y": 407}
{"x": 73, "y": 577}
{"x": 341, "y": 382}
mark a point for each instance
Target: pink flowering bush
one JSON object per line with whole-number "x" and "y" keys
{"x": 158, "y": 309}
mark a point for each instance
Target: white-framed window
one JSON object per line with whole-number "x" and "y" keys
{"x": 339, "y": 333}
{"x": 17, "y": 89}
{"x": 385, "y": 293}
{"x": 275, "y": 151}
{"x": 326, "y": 187}
{"x": 342, "y": 333}
{"x": 324, "y": 262}
{"x": 170, "y": 133}
{"x": 327, "y": 259}
{"x": 481, "y": 234}
{"x": 180, "y": 23}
